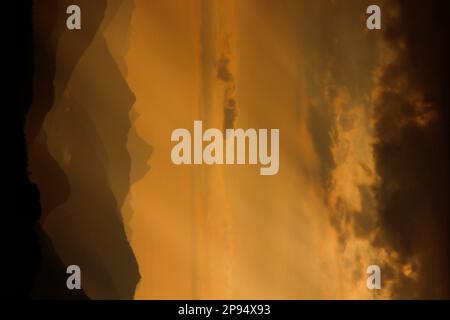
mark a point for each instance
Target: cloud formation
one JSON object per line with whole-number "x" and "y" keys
{"x": 411, "y": 149}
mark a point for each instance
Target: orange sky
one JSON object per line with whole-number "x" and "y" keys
{"x": 363, "y": 167}
{"x": 227, "y": 232}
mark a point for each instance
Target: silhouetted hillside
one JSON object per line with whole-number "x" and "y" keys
{"x": 78, "y": 154}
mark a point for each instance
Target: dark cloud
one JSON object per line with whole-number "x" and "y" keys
{"x": 411, "y": 151}
{"x": 223, "y": 70}
{"x": 406, "y": 214}
{"x": 224, "y": 74}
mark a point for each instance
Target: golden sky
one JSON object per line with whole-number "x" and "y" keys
{"x": 227, "y": 232}
{"x": 362, "y": 167}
